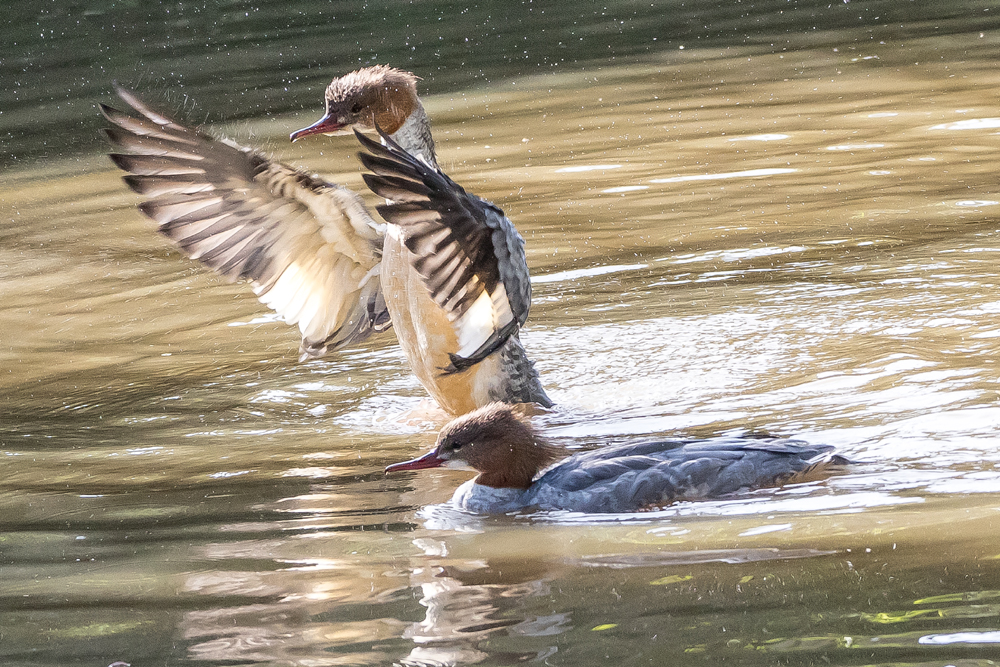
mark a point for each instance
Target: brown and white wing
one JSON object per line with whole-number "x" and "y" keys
{"x": 311, "y": 248}
{"x": 467, "y": 251}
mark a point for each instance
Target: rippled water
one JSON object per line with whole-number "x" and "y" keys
{"x": 792, "y": 239}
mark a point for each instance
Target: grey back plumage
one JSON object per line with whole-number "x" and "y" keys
{"x": 627, "y": 478}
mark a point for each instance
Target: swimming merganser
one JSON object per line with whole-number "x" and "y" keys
{"x": 317, "y": 256}
{"x": 503, "y": 447}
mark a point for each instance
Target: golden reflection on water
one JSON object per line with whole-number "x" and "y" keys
{"x": 789, "y": 243}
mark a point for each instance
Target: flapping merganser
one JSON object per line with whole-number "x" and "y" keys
{"x": 317, "y": 257}
{"x": 502, "y": 446}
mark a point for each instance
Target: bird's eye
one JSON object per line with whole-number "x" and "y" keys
{"x": 356, "y": 108}
{"x": 456, "y": 446}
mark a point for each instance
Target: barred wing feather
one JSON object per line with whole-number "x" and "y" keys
{"x": 465, "y": 249}
{"x": 311, "y": 248}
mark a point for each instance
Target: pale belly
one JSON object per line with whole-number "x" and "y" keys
{"x": 427, "y": 337}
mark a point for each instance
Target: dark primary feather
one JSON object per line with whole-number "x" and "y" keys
{"x": 445, "y": 227}
{"x": 462, "y": 245}
{"x": 309, "y": 246}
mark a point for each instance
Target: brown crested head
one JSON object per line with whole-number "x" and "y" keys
{"x": 499, "y": 442}
{"x": 379, "y": 94}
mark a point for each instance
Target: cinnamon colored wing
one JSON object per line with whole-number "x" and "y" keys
{"x": 311, "y": 248}
{"x": 467, "y": 251}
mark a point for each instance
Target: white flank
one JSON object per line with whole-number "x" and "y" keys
{"x": 487, "y": 315}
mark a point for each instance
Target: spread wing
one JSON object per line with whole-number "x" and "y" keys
{"x": 466, "y": 250}
{"x": 310, "y": 248}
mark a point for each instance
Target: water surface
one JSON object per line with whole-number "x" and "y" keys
{"x": 794, "y": 236}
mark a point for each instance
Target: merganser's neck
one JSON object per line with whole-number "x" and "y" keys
{"x": 414, "y": 135}
{"x": 514, "y": 462}
{"x": 518, "y": 380}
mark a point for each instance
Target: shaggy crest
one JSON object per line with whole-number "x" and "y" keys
{"x": 379, "y": 94}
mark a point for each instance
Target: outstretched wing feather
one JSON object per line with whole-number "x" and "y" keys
{"x": 466, "y": 250}
{"x": 310, "y": 248}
